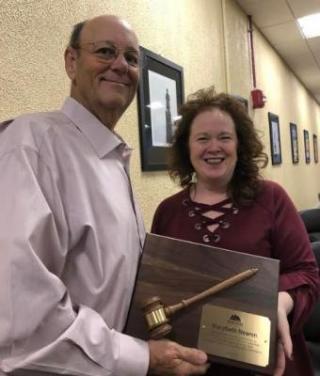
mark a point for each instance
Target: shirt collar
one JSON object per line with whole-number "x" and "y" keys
{"x": 102, "y": 139}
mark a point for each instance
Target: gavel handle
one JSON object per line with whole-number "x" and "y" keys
{"x": 170, "y": 310}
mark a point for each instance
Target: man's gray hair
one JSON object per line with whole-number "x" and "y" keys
{"x": 74, "y": 40}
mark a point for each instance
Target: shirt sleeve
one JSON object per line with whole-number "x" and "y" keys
{"x": 299, "y": 274}
{"x": 40, "y": 327}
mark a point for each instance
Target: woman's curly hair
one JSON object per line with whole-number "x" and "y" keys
{"x": 245, "y": 181}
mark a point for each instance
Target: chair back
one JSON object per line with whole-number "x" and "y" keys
{"x": 311, "y": 220}
{"x": 312, "y": 327}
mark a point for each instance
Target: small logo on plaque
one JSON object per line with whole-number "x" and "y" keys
{"x": 235, "y": 335}
{"x": 235, "y": 319}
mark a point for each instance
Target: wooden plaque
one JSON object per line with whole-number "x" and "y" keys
{"x": 237, "y": 326}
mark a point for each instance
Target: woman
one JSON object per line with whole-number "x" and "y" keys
{"x": 216, "y": 156}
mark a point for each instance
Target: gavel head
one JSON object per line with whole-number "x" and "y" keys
{"x": 156, "y": 318}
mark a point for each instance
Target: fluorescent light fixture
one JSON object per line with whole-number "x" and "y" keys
{"x": 310, "y": 25}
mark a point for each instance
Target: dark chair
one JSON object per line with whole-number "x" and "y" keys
{"x": 312, "y": 327}
{"x": 311, "y": 220}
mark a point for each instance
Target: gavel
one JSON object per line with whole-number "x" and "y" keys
{"x": 157, "y": 314}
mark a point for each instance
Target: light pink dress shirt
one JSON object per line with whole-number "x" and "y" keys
{"x": 70, "y": 239}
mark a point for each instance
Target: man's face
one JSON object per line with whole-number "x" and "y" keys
{"x": 104, "y": 69}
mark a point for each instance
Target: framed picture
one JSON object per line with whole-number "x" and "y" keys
{"x": 315, "y": 148}
{"x": 160, "y": 95}
{"x": 294, "y": 143}
{"x": 306, "y": 145}
{"x": 274, "y": 138}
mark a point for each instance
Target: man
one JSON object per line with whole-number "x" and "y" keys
{"x": 70, "y": 232}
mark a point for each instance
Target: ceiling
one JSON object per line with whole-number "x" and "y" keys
{"x": 277, "y": 21}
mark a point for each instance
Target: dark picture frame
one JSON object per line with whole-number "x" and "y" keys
{"x": 306, "y": 145}
{"x": 315, "y": 148}
{"x": 294, "y": 143}
{"x": 275, "y": 141}
{"x": 160, "y": 95}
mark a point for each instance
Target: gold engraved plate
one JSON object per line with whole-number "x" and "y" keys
{"x": 235, "y": 335}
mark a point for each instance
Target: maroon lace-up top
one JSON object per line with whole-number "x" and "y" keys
{"x": 270, "y": 227}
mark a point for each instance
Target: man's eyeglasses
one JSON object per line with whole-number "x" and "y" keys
{"x": 107, "y": 52}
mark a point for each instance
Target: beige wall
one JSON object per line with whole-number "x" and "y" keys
{"x": 286, "y": 97}
{"x": 207, "y": 37}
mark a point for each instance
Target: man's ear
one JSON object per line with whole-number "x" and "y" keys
{"x": 70, "y": 62}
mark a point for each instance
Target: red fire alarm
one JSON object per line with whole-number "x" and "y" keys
{"x": 258, "y": 99}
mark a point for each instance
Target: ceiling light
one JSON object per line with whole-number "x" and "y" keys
{"x": 310, "y": 25}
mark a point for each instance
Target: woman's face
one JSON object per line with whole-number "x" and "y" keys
{"x": 213, "y": 147}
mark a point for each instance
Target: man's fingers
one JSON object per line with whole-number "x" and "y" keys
{"x": 190, "y": 369}
{"x": 171, "y": 359}
{"x": 194, "y": 356}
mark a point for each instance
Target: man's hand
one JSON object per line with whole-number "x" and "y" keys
{"x": 170, "y": 359}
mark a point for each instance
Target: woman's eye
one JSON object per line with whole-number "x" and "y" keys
{"x": 202, "y": 138}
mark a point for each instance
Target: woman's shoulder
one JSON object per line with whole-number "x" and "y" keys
{"x": 175, "y": 199}
{"x": 270, "y": 194}
{"x": 167, "y": 209}
{"x": 271, "y": 188}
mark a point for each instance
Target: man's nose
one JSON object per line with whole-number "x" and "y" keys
{"x": 120, "y": 64}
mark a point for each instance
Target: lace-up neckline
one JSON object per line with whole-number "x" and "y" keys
{"x": 209, "y": 220}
